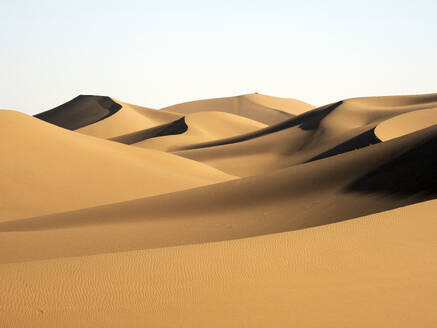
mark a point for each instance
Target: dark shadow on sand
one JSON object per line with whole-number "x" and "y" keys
{"x": 80, "y": 111}
{"x": 173, "y": 128}
{"x": 414, "y": 172}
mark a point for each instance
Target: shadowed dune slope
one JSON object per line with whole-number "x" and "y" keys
{"x": 176, "y": 127}
{"x": 294, "y": 198}
{"x": 80, "y": 111}
{"x": 325, "y": 131}
{"x": 203, "y": 127}
{"x": 374, "y": 271}
{"x": 47, "y": 169}
{"x": 265, "y": 109}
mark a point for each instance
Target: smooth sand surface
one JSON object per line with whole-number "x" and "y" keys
{"x": 407, "y": 123}
{"x": 374, "y": 271}
{"x": 248, "y": 211}
{"x": 47, "y": 169}
{"x": 262, "y": 108}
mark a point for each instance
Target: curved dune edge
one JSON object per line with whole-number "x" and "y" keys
{"x": 406, "y": 123}
{"x": 372, "y": 268}
{"x": 173, "y": 128}
{"x": 130, "y": 118}
{"x": 203, "y": 127}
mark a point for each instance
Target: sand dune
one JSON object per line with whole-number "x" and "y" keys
{"x": 128, "y": 119}
{"x": 203, "y": 127}
{"x": 243, "y": 211}
{"x": 105, "y": 117}
{"x": 261, "y": 108}
{"x": 374, "y": 271}
{"x": 406, "y": 123}
{"x": 80, "y": 111}
{"x": 48, "y": 169}
{"x": 295, "y": 198}
{"x": 322, "y": 132}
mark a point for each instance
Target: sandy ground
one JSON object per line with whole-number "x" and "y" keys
{"x": 247, "y": 211}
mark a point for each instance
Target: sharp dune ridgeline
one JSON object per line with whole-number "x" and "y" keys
{"x": 246, "y": 211}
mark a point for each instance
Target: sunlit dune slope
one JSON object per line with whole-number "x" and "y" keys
{"x": 261, "y": 108}
{"x": 48, "y": 169}
{"x": 374, "y": 271}
{"x": 406, "y": 123}
{"x": 322, "y": 132}
{"x": 397, "y": 172}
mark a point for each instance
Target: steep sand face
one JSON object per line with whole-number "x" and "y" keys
{"x": 80, "y": 111}
{"x": 103, "y": 233}
{"x": 203, "y": 127}
{"x": 264, "y": 109}
{"x": 48, "y": 169}
{"x": 374, "y": 271}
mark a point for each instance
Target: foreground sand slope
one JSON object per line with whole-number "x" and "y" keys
{"x": 396, "y": 173}
{"x": 375, "y": 271}
{"x": 322, "y": 132}
{"x": 48, "y": 169}
{"x": 265, "y": 109}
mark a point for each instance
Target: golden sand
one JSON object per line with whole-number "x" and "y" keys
{"x": 248, "y": 211}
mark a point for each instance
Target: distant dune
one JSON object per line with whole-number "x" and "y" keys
{"x": 246, "y": 211}
{"x": 261, "y": 108}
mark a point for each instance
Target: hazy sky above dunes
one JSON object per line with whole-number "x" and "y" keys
{"x": 158, "y": 53}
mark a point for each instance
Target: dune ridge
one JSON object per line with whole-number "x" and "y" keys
{"x": 80, "y": 111}
{"x": 261, "y": 108}
{"x": 241, "y": 211}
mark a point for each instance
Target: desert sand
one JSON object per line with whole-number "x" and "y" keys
{"x": 246, "y": 211}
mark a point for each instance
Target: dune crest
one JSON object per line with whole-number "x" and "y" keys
{"x": 264, "y": 109}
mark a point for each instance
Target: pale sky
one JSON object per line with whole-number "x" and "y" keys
{"x": 158, "y": 53}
